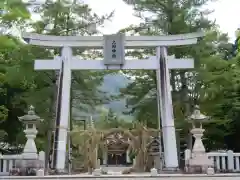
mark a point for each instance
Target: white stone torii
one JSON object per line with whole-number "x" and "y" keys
{"x": 157, "y": 62}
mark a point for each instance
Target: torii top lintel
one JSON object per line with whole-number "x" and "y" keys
{"x": 97, "y": 41}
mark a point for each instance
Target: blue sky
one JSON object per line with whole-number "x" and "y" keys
{"x": 225, "y": 13}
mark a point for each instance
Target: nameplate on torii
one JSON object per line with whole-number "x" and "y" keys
{"x": 152, "y": 63}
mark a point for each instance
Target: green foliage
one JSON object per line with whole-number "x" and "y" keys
{"x": 21, "y": 86}
{"x": 58, "y": 18}
{"x": 13, "y": 14}
{"x": 210, "y": 84}
{"x": 14, "y": 9}
{"x": 109, "y": 119}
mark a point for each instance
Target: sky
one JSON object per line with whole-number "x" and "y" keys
{"x": 225, "y": 12}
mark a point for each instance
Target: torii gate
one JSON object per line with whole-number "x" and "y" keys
{"x": 161, "y": 63}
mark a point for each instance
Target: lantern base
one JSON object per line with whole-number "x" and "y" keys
{"x": 29, "y": 156}
{"x": 27, "y": 167}
{"x": 198, "y": 145}
{"x": 199, "y": 161}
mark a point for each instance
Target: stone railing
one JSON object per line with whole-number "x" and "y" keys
{"x": 224, "y": 161}
{"x": 8, "y": 162}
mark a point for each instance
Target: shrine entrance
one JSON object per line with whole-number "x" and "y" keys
{"x": 116, "y": 159}
{"x": 117, "y": 153}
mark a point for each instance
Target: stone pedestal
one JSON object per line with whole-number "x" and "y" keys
{"x": 134, "y": 162}
{"x": 40, "y": 172}
{"x": 97, "y": 172}
{"x": 128, "y": 160}
{"x": 157, "y": 161}
{"x": 30, "y": 150}
{"x": 198, "y": 146}
{"x": 105, "y": 158}
{"x": 98, "y": 164}
{"x": 210, "y": 171}
{"x": 199, "y": 160}
{"x": 154, "y": 172}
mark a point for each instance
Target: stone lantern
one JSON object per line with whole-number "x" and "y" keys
{"x": 30, "y": 157}
{"x": 197, "y": 119}
{"x": 199, "y": 158}
{"x": 30, "y": 120}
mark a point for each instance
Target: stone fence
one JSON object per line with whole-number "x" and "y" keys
{"x": 9, "y": 162}
{"x": 224, "y": 161}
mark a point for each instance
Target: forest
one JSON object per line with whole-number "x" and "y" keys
{"x": 214, "y": 83}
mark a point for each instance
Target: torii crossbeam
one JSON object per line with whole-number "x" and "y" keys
{"x": 161, "y": 62}
{"x": 147, "y": 64}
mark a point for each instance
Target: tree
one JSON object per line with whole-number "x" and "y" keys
{"x": 13, "y": 13}
{"x": 111, "y": 116}
{"x": 189, "y": 87}
{"x": 227, "y": 106}
{"x": 237, "y": 42}
{"x": 64, "y": 18}
{"x": 88, "y": 143}
{"x": 170, "y": 17}
{"x": 12, "y": 82}
{"x": 21, "y": 85}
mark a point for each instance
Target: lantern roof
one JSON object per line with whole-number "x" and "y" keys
{"x": 197, "y": 115}
{"x": 30, "y": 117}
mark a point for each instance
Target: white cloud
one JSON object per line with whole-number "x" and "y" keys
{"x": 123, "y": 15}
{"x": 226, "y": 14}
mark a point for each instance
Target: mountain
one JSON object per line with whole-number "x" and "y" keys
{"x": 111, "y": 85}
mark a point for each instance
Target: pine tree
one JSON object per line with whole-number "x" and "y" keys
{"x": 176, "y": 17}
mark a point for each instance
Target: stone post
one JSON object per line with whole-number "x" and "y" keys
{"x": 105, "y": 158}
{"x": 128, "y": 160}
